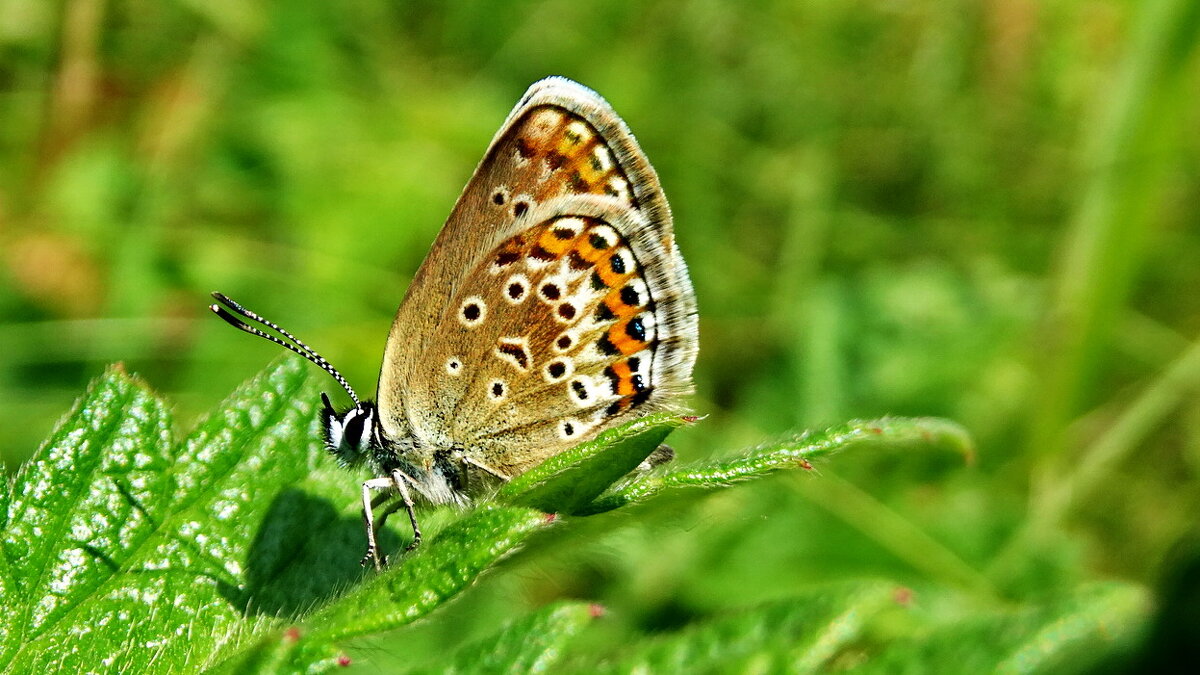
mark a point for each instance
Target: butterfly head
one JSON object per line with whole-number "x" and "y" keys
{"x": 349, "y": 435}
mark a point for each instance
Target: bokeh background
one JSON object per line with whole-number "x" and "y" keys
{"x": 978, "y": 209}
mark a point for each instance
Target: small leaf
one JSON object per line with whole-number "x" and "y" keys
{"x": 568, "y": 481}
{"x": 792, "y": 453}
{"x": 532, "y": 644}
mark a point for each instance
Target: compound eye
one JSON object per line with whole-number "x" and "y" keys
{"x": 354, "y": 425}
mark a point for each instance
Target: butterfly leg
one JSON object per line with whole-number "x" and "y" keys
{"x": 372, "y": 555}
{"x": 380, "y": 520}
{"x": 400, "y": 480}
{"x": 380, "y": 500}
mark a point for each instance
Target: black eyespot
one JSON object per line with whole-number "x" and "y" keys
{"x": 498, "y": 198}
{"x": 516, "y": 291}
{"x": 564, "y": 342}
{"x": 551, "y": 292}
{"x": 556, "y": 369}
{"x": 629, "y": 296}
{"x": 641, "y": 397}
{"x": 471, "y": 312}
{"x": 618, "y": 264}
{"x": 520, "y": 208}
{"x": 566, "y": 310}
{"x": 581, "y": 391}
{"x": 497, "y": 389}
{"x": 636, "y": 329}
{"x": 568, "y": 429}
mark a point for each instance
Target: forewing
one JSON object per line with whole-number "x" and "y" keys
{"x": 554, "y": 303}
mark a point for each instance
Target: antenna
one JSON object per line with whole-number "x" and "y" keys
{"x": 299, "y": 347}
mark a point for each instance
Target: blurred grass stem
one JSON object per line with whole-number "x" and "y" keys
{"x": 894, "y": 532}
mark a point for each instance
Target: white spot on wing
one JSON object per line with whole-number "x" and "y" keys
{"x": 618, "y": 185}
{"x": 545, "y": 121}
{"x": 639, "y": 287}
{"x": 568, "y": 367}
{"x": 546, "y": 290}
{"x": 603, "y": 158}
{"x": 650, "y": 323}
{"x": 575, "y": 225}
{"x": 516, "y": 280}
{"x": 570, "y": 428}
{"x": 577, "y": 132}
{"x": 582, "y": 391}
{"x": 566, "y": 312}
{"x": 563, "y": 346}
{"x": 472, "y": 312}
{"x": 607, "y": 233}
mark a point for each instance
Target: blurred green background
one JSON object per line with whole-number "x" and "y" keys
{"x": 984, "y": 210}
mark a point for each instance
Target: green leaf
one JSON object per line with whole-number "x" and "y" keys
{"x": 921, "y": 433}
{"x": 236, "y": 549}
{"x": 568, "y": 481}
{"x": 873, "y": 626}
{"x": 799, "y": 635}
{"x": 90, "y": 500}
{"x": 429, "y": 576}
{"x": 128, "y": 550}
{"x": 532, "y": 644}
{"x": 1065, "y": 635}
{"x": 407, "y": 590}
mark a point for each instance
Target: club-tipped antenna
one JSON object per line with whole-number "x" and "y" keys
{"x": 299, "y": 347}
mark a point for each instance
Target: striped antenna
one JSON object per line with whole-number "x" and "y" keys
{"x": 295, "y": 345}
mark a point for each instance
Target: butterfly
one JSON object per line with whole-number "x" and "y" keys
{"x": 553, "y": 305}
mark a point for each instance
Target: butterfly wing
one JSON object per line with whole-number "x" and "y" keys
{"x": 554, "y": 303}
